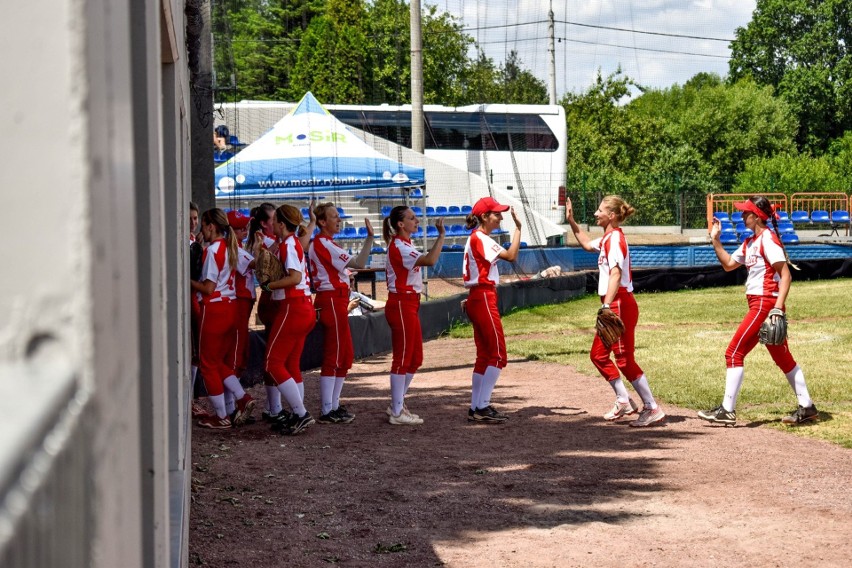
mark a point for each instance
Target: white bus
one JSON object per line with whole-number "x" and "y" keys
{"x": 516, "y": 152}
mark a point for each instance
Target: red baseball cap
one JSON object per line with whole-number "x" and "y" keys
{"x": 751, "y": 208}
{"x": 487, "y": 204}
{"x": 237, "y": 220}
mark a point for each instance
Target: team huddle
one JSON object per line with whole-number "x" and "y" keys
{"x": 223, "y": 284}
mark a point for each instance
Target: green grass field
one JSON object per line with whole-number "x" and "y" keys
{"x": 681, "y": 341}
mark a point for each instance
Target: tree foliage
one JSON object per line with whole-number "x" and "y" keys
{"x": 802, "y": 48}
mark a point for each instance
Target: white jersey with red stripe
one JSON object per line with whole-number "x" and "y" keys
{"x": 292, "y": 257}
{"x": 403, "y": 274}
{"x": 758, "y": 254}
{"x": 244, "y": 278}
{"x": 614, "y": 252}
{"x": 215, "y": 268}
{"x": 328, "y": 264}
{"x": 480, "y": 260}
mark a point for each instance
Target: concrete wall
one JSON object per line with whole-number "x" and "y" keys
{"x": 92, "y": 346}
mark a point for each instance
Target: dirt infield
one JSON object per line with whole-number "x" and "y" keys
{"x": 555, "y": 486}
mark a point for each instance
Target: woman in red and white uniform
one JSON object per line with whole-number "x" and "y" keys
{"x": 767, "y": 286}
{"x": 480, "y": 275}
{"x": 246, "y": 294}
{"x": 402, "y": 310}
{"x": 216, "y": 292}
{"x": 615, "y": 287}
{"x": 294, "y": 320}
{"x": 330, "y": 274}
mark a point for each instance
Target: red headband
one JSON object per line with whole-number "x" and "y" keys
{"x": 752, "y": 208}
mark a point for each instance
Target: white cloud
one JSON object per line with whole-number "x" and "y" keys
{"x": 653, "y": 60}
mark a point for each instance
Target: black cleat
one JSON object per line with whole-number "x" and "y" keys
{"x": 719, "y": 415}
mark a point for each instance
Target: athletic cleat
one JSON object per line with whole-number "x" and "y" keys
{"x": 802, "y": 415}
{"x": 488, "y": 414}
{"x": 621, "y": 409}
{"x": 470, "y": 415}
{"x": 343, "y": 415}
{"x": 648, "y": 417}
{"x": 719, "y": 415}
{"x": 267, "y": 416}
{"x": 389, "y": 411}
{"x": 199, "y": 410}
{"x": 213, "y": 422}
{"x": 297, "y": 423}
{"x": 405, "y": 418}
{"x": 331, "y": 417}
{"x": 244, "y": 408}
{"x": 282, "y": 421}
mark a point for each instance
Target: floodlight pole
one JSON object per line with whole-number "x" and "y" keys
{"x": 418, "y": 139}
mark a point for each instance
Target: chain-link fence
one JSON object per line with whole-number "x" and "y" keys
{"x": 659, "y": 200}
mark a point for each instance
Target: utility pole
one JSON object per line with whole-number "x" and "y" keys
{"x": 551, "y": 51}
{"x": 417, "y": 135}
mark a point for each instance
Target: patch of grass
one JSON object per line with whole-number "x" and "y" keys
{"x": 681, "y": 341}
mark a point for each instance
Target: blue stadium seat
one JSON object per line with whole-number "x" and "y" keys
{"x": 728, "y": 227}
{"x": 729, "y": 238}
{"x": 446, "y": 248}
{"x": 523, "y": 245}
{"x": 741, "y": 228}
{"x": 454, "y": 210}
{"x": 841, "y": 217}
{"x": 305, "y": 212}
{"x": 343, "y": 214}
{"x": 506, "y": 245}
{"x": 744, "y": 235}
{"x": 737, "y": 217}
{"x": 378, "y": 250}
{"x": 416, "y": 193}
{"x": 467, "y": 209}
{"x": 418, "y": 234}
{"x": 820, "y": 216}
{"x": 430, "y": 211}
{"x": 721, "y": 215}
{"x": 441, "y": 210}
{"x": 418, "y": 212}
{"x": 350, "y": 233}
{"x": 785, "y": 227}
{"x": 790, "y": 239}
{"x": 456, "y": 231}
{"x": 386, "y": 209}
{"x": 457, "y": 248}
{"x": 800, "y": 217}
{"x": 782, "y": 216}
{"x": 432, "y": 232}
{"x": 362, "y": 232}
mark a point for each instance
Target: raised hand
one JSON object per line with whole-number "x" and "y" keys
{"x": 439, "y": 224}
{"x": 369, "y": 227}
{"x": 516, "y": 219}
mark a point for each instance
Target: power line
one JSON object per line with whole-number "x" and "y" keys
{"x": 611, "y": 28}
{"x": 614, "y": 45}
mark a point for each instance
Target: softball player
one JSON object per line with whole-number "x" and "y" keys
{"x": 246, "y": 294}
{"x": 767, "y": 286}
{"x": 294, "y": 320}
{"x": 405, "y": 283}
{"x": 216, "y": 292}
{"x": 615, "y": 287}
{"x": 330, "y": 275}
{"x": 480, "y": 276}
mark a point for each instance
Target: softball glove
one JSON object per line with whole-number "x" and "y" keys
{"x": 773, "y": 331}
{"x": 609, "y": 326}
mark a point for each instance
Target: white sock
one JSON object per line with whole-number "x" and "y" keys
{"x": 338, "y": 388}
{"x": 408, "y": 378}
{"x": 796, "y": 378}
{"x": 489, "y": 380}
{"x": 233, "y": 384}
{"x": 218, "y": 403}
{"x": 326, "y": 393}
{"x": 733, "y": 384}
{"x": 476, "y": 388}
{"x": 290, "y": 392}
{"x": 397, "y": 383}
{"x": 621, "y": 394}
{"x": 644, "y": 391}
{"x": 273, "y": 399}
{"x": 230, "y": 405}
{"x": 302, "y": 391}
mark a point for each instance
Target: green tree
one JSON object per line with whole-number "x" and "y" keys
{"x": 389, "y": 32}
{"x": 445, "y": 59}
{"x": 789, "y": 173}
{"x": 801, "y": 47}
{"x": 519, "y": 85}
{"x": 332, "y": 55}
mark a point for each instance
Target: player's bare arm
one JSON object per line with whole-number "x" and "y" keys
{"x": 511, "y": 254}
{"x": 360, "y": 261}
{"x": 582, "y": 238}
{"x": 430, "y": 258}
{"x": 724, "y": 258}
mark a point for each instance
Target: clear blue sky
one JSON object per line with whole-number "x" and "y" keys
{"x": 652, "y": 58}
